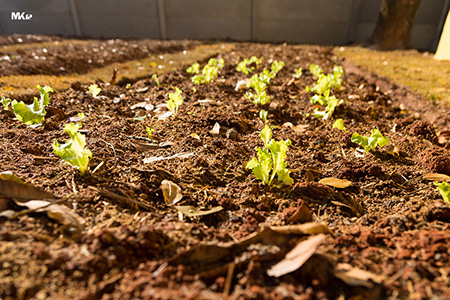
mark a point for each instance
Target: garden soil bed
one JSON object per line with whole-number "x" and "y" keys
{"x": 390, "y": 227}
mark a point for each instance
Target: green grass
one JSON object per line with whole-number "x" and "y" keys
{"x": 410, "y": 68}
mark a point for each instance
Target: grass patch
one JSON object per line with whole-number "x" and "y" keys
{"x": 16, "y": 86}
{"x": 409, "y": 68}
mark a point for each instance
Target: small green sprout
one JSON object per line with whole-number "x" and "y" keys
{"x": 371, "y": 142}
{"x": 209, "y": 72}
{"x": 243, "y": 65}
{"x": 95, "y": 90}
{"x": 298, "y": 73}
{"x": 263, "y": 115}
{"x": 34, "y": 113}
{"x": 315, "y": 70}
{"x": 194, "y": 69}
{"x": 444, "y": 190}
{"x": 82, "y": 116}
{"x": 259, "y": 98}
{"x": 339, "y": 124}
{"x": 6, "y": 102}
{"x": 175, "y": 101}
{"x": 73, "y": 152}
{"x": 128, "y": 85}
{"x": 149, "y": 132}
{"x": 155, "y": 77}
{"x": 271, "y": 159}
{"x": 276, "y": 67}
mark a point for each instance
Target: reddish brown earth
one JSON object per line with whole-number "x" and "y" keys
{"x": 391, "y": 222}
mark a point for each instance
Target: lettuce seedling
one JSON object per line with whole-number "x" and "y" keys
{"x": 370, "y": 143}
{"x": 243, "y": 65}
{"x": 298, "y": 73}
{"x": 34, "y": 113}
{"x": 444, "y": 190}
{"x": 194, "y": 69}
{"x": 271, "y": 160}
{"x": 95, "y": 90}
{"x": 149, "y": 132}
{"x": 6, "y": 102}
{"x": 258, "y": 98}
{"x": 263, "y": 115}
{"x": 73, "y": 152}
{"x": 315, "y": 70}
{"x": 155, "y": 77}
{"x": 209, "y": 72}
{"x": 276, "y": 67}
{"x": 175, "y": 101}
{"x": 339, "y": 124}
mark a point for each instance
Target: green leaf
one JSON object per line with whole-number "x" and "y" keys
{"x": 155, "y": 77}
{"x": 444, "y": 190}
{"x": 263, "y": 115}
{"x": 6, "y": 102}
{"x": 149, "y": 131}
{"x": 298, "y": 73}
{"x": 315, "y": 70}
{"x": 266, "y": 135}
{"x": 339, "y": 124}
{"x": 278, "y": 151}
{"x": 194, "y": 69}
{"x": 73, "y": 151}
{"x": 29, "y": 114}
{"x": 94, "y": 89}
{"x": 45, "y": 99}
{"x": 371, "y": 142}
{"x": 175, "y": 101}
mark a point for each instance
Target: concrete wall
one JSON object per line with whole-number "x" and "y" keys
{"x": 332, "y": 22}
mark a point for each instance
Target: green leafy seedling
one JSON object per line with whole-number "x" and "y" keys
{"x": 276, "y": 67}
{"x": 34, "y": 113}
{"x": 243, "y": 65}
{"x": 128, "y": 85}
{"x": 149, "y": 132}
{"x": 95, "y": 90}
{"x": 339, "y": 124}
{"x": 74, "y": 151}
{"x": 369, "y": 143}
{"x": 315, "y": 70}
{"x": 155, "y": 77}
{"x": 271, "y": 160}
{"x": 263, "y": 115}
{"x": 298, "y": 73}
{"x": 193, "y": 69}
{"x": 175, "y": 101}
{"x": 6, "y": 102}
{"x": 444, "y": 190}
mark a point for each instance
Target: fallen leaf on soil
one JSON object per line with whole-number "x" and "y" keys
{"x": 141, "y": 90}
{"x": 209, "y": 261}
{"x": 40, "y": 201}
{"x": 192, "y": 211}
{"x": 73, "y": 222}
{"x": 145, "y": 105}
{"x": 299, "y": 128}
{"x": 297, "y": 256}
{"x": 241, "y": 85}
{"x": 436, "y": 177}
{"x": 144, "y": 146}
{"x": 158, "y": 158}
{"x": 8, "y": 175}
{"x": 357, "y": 277}
{"x": 166, "y": 144}
{"x": 336, "y": 182}
{"x": 444, "y": 136}
{"x": 195, "y": 136}
{"x": 215, "y": 130}
{"x": 171, "y": 192}
{"x": 23, "y": 191}
{"x": 162, "y": 115}
{"x": 393, "y": 150}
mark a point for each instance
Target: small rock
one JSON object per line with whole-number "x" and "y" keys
{"x": 232, "y": 134}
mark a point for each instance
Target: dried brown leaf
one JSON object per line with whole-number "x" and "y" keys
{"x": 144, "y": 146}
{"x": 336, "y": 182}
{"x": 22, "y": 191}
{"x": 192, "y": 211}
{"x": 215, "y": 130}
{"x": 356, "y": 277}
{"x": 436, "y": 177}
{"x": 158, "y": 158}
{"x": 171, "y": 192}
{"x": 295, "y": 258}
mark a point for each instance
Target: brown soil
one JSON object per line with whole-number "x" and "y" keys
{"x": 390, "y": 222}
